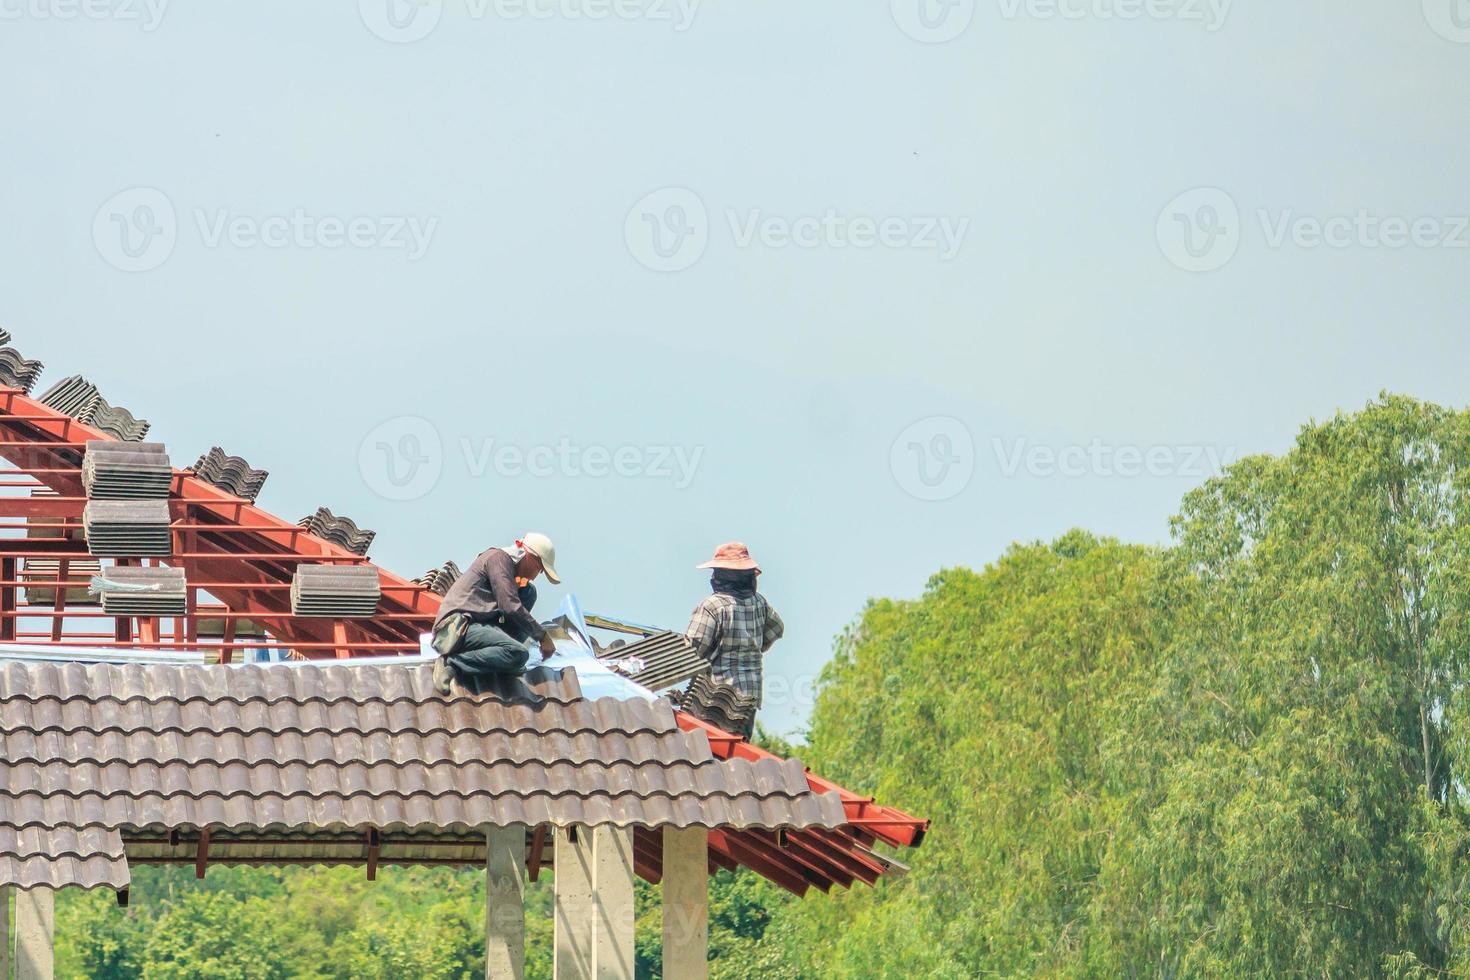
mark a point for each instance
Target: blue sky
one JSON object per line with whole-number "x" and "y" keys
{"x": 899, "y": 284}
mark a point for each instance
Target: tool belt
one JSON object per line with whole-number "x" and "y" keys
{"x": 449, "y": 634}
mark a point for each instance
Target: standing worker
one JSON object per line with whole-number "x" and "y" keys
{"x": 485, "y": 618}
{"x": 734, "y": 626}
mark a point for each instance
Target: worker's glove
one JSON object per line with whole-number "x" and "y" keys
{"x": 548, "y": 646}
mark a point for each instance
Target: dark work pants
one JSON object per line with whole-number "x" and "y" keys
{"x": 488, "y": 649}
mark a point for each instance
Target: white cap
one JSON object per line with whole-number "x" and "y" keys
{"x": 540, "y": 546}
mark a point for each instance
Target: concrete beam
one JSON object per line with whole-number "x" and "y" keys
{"x": 612, "y": 898}
{"x": 35, "y": 934}
{"x": 505, "y": 903}
{"x": 572, "y": 959}
{"x": 686, "y": 903}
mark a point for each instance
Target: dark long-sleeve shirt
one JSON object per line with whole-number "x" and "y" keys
{"x": 486, "y": 591}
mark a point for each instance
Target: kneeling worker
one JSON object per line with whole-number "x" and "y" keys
{"x": 485, "y": 619}
{"x": 734, "y": 626}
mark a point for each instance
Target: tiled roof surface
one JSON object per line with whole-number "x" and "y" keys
{"x": 335, "y": 747}
{"x": 63, "y": 856}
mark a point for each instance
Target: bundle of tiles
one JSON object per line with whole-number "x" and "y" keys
{"x": 439, "y": 580}
{"x": 126, "y": 471}
{"x": 665, "y": 659}
{"x": 142, "y": 591}
{"x": 79, "y": 572}
{"x": 335, "y": 591}
{"x": 71, "y": 396}
{"x": 128, "y": 528}
{"x": 230, "y": 473}
{"x": 16, "y": 371}
{"x": 341, "y": 531}
{"x": 718, "y": 703}
{"x": 79, "y": 398}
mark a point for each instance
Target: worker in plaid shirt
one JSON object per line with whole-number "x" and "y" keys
{"x": 734, "y": 626}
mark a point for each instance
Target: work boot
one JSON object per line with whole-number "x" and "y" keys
{"x": 443, "y": 674}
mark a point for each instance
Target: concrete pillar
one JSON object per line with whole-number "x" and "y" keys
{"x": 572, "y": 959}
{"x": 686, "y": 903}
{"x": 612, "y": 897}
{"x": 5, "y": 930}
{"x": 505, "y": 897}
{"x": 35, "y": 933}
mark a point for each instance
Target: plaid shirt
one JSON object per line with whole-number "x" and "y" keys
{"x": 733, "y": 635}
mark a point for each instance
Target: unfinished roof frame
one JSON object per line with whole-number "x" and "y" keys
{"x": 239, "y": 560}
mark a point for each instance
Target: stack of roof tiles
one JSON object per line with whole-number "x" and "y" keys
{"x": 93, "y": 753}
{"x": 126, "y": 471}
{"x": 143, "y": 591}
{"x": 128, "y": 528}
{"x": 336, "y": 591}
{"x": 667, "y": 659}
{"x": 79, "y": 572}
{"x": 439, "y": 580}
{"x": 341, "y": 531}
{"x": 717, "y": 702}
{"x": 79, "y": 398}
{"x": 16, "y": 371}
{"x": 230, "y": 473}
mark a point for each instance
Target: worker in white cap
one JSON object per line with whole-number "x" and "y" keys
{"x": 485, "y": 619}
